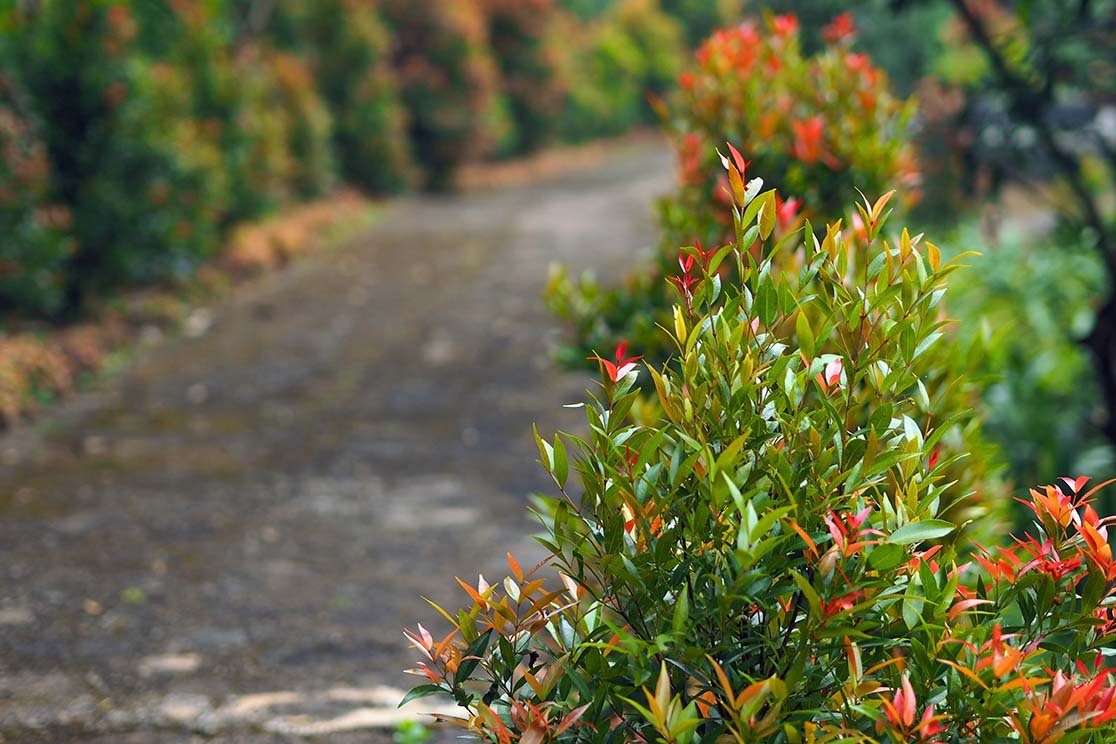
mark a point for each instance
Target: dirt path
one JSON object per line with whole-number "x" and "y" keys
{"x": 227, "y": 539}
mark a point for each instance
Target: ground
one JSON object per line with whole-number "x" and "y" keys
{"x": 225, "y": 540}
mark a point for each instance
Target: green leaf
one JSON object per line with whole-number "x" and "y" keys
{"x": 472, "y": 657}
{"x": 750, "y": 212}
{"x": 915, "y": 532}
{"x": 561, "y": 462}
{"x": 422, "y": 691}
{"x": 926, "y": 344}
{"x": 681, "y": 612}
{"x": 808, "y": 591}
{"x": 912, "y": 610}
{"x": 767, "y": 214}
{"x": 805, "y": 335}
{"x": 886, "y": 556}
{"x": 546, "y": 452}
{"x": 719, "y": 256}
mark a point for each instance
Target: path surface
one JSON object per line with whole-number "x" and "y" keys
{"x": 227, "y": 539}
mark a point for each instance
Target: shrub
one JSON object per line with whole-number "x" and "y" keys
{"x": 201, "y": 81}
{"x": 35, "y": 244}
{"x": 148, "y": 210}
{"x": 306, "y": 121}
{"x": 700, "y": 17}
{"x": 658, "y": 38}
{"x": 139, "y": 206}
{"x": 817, "y": 127}
{"x": 586, "y": 9}
{"x": 449, "y": 83}
{"x": 696, "y": 17}
{"x": 257, "y": 106}
{"x": 631, "y": 51}
{"x": 529, "y": 56}
{"x": 777, "y": 559}
{"x": 1043, "y": 407}
{"x": 346, "y": 46}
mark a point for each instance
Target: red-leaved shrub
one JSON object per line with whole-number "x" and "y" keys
{"x": 780, "y": 556}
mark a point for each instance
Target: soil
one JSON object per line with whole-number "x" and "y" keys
{"x": 224, "y": 541}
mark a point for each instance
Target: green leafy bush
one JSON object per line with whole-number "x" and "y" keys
{"x": 587, "y": 9}
{"x": 696, "y": 17}
{"x": 306, "y": 121}
{"x": 449, "y": 83}
{"x": 700, "y": 17}
{"x": 528, "y": 52}
{"x": 628, "y": 53}
{"x": 1043, "y": 405}
{"x": 35, "y": 244}
{"x": 139, "y": 206}
{"x": 256, "y": 105}
{"x": 818, "y": 127}
{"x": 777, "y": 559}
{"x": 346, "y": 46}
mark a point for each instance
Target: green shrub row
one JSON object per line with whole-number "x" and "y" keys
{"x": 133, "y": 134}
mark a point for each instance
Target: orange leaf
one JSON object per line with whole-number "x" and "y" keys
{"x": 473, "y": 593}
{"x": 516, "y": 570}
{"x": 967, "y": 672}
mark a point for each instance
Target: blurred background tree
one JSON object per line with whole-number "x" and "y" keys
{"x": 1038, "y": 81}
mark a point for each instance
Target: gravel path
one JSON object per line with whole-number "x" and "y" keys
{"x": 225, "y": 541}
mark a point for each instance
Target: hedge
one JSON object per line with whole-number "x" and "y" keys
{"x": 135, "y": 134}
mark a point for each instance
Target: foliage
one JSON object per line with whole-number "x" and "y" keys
{"x": 137, "y": 204}
{"x": 36, "y": 244}
{"x": 347, "y": 48}
{"x": 1041, "y": 72}
{"x": 138, "y": 134}
{"x": 307, "y": 125}
{"x": 819, "y": 127}
{"x": 587, "y": 9}
{"x": 1042, "y": 405}
{"x": 529, "y": 54}
{"x": 141, "y": 137}
{"x": 410, "y": 732}
{"x": 907, "y": 46}
{"x": 700, "y": 17}
{"x": 258, "y": 106}
{"x": 777, "y": 558}
{"x": 696, "y": 17}
{"x": 630, "y": 52}
{"x": 449, "y": 82}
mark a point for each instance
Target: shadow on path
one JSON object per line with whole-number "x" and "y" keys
{"x": 258, "y": 509}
